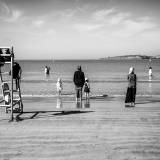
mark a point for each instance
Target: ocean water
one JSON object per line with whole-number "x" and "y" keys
{"x": 106, "y": 76}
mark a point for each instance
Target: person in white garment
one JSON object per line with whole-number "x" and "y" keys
{"x": 150, "y": 71}
{"x": 59, "y": 86}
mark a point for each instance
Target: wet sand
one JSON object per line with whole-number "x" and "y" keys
{"x": 105, "y": 130}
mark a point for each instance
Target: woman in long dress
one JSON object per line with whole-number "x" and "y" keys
{"x": 132, "y": 86}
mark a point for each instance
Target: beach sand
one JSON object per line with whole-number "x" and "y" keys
{"x": 103, "y": 129}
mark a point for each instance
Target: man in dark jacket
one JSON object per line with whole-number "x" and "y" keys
{"x": 17, "y": 72}
{"x": 79, "y": 80}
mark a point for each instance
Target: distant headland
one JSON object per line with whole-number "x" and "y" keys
{"x": 131, "y": 57}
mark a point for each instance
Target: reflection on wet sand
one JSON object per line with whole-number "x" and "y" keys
{"x": 83, "y": 104}
{"x": 150, "y": 78}
{"x": 78, "y": 104}
{"x": 87, "y": 103}
{"x": 59, "y": 103}
{"x": 150, "y": 87}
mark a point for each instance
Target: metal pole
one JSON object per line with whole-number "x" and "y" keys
{"x": 12, "y": 61}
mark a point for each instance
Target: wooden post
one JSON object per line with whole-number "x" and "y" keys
{"x": 12, "y": 62}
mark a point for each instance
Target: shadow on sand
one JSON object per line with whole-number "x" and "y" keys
{"x": 129, "y": 106}
{"x": 143, "y": 102}
{"x": 148, "y": 101}
{"x": 32, "y": 115}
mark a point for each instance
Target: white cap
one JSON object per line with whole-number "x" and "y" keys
{"x": 59, "y": 79}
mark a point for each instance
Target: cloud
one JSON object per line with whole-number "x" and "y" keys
{"x": 101, "y": 15}
{"x": 43, "y": 35}
{"x": 7, "y": 14}
{"x": 86, "y": 27}
{"x": 133, "y": 27}
{"x": 138, "y": 26}
{"x": 118, "y": 18}
{"x": 117, "y": 24}
{"x": 110, "y": 16}
{"x": 38, "y": 23}
{"x": 4, "y": 9}
{"x": 14, "y": 16}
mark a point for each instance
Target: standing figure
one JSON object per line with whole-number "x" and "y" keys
{"x": 132, "y": 85}
{"x": 79, "y": 80}
{"x": 86, "y": 88}
{"x": 17, "y": 72}
{"x": 59, "y": 86}
{"x": 2, "y": 59}
{"x": 46, "y": 70}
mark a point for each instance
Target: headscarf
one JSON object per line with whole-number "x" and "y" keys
{"x": 131, "y": 70}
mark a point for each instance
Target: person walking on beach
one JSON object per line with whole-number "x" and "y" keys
{"x": 86, "y": 88}
{"x": 59, "y": 86}
{"x": 132, "y": 85}
{"x": 79, "y": 79}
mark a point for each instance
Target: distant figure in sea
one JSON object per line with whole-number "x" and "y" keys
{"x": 132, "y": 86}
{"x": 86, "y": 88}
{"x": 47, "y": 70}
{"x": 150, "y": 71}
{"x": 59, "y": 86}
{"x": 79, "y": 79}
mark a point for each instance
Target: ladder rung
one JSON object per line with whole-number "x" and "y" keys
{"x": 18, "y": 99}
{"x": 6, "y": 82}
{"x": 7, "y": 62}
{"x": 5, "y": 105}
{"x": 16, "y": 91}
{"x": 5, "y": 47}
{"x": 5, "y": 55}
{"x": 4, "y": 73}
{"x": 6, "y": 91}
{"x": 10, "y": 91}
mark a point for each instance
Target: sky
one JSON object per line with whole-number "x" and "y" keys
{"x": 80, "y": 29}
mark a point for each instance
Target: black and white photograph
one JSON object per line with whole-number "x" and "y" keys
{"x": 79, "y": 80}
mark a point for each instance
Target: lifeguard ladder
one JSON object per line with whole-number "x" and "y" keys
{"x": 10, "y": 97}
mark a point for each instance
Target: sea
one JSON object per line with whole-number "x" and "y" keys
{"x": 106, "y": 77}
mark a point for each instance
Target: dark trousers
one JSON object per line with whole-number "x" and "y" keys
{"x": 78, "y": 92}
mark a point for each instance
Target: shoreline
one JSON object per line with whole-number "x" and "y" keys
{"x": 92, "y": 96}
